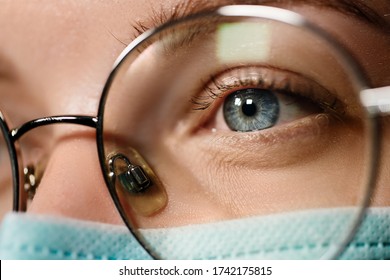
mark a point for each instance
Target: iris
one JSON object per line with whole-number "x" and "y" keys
{"x": 251, "y": 109}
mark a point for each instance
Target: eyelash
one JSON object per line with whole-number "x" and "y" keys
{"x": 160, "y": 17}
{"x": 218, "y": 89}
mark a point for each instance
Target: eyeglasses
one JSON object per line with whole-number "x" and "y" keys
{"x": 246, "y": 113}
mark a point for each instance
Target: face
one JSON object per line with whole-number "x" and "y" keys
{"x": 55, "y": 58}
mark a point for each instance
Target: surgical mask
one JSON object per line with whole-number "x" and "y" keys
{"x": 25, "y": 236}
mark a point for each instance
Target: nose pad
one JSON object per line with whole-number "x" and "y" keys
{"x": 136, "y": 184}
{"x": 72, "y": 184}
{"x": 132, "y": 177}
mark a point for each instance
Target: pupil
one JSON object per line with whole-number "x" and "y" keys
{"x": 249, "y": 109}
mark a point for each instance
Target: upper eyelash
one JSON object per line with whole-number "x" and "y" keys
{"x": 217, "y": 89}
{"x": 203, "y": 102}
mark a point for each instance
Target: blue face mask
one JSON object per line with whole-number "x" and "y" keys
{"x": 26, "y": 236}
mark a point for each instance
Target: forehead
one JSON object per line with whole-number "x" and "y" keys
{"x": 59, "y": 53}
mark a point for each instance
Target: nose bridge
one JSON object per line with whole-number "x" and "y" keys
{"x": 19, "y": 200}
{"x": 72, "y": 184}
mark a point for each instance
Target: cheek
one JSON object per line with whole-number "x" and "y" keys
{"x": 382, "y": 191}
{"x": 209, "y": 179}
{"x": 6, "y": 195}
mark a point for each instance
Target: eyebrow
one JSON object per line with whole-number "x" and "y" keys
{"x": 356, "y": 8}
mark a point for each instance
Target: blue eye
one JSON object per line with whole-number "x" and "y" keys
{"x": 251, "y": 109}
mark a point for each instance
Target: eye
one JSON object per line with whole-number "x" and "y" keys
{"x": 246, "y": 100}
{"x": 255, "y": 109}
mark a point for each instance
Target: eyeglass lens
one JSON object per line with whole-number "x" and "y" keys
{"x": 236, "y": 122}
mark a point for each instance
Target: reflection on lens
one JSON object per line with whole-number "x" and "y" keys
{"x": 254, "y": 128}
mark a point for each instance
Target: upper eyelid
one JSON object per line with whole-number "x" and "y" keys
{"x": 328, "y": 99}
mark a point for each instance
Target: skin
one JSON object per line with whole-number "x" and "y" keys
{"x": 55, "y": 57}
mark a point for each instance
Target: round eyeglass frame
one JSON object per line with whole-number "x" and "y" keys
{"x": 262, "y": 12}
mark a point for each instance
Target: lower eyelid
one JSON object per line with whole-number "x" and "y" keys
{"x": 259, "y": 149}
